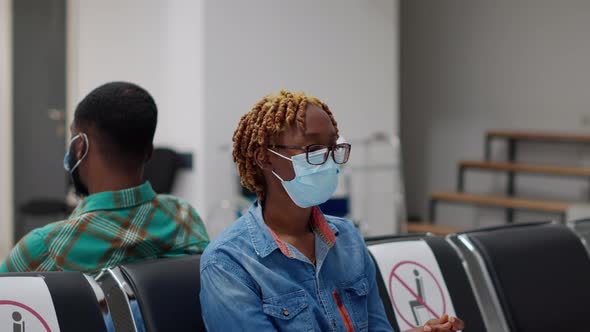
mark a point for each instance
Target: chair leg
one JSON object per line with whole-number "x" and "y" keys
{"x": 461, "y": 179}
{"x": 432, "y": 211}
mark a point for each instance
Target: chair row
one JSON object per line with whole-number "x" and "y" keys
{"x": 155, "y": 295}
{"x": 523, "y": 277}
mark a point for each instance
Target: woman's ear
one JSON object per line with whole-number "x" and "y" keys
{"x": 262, "y": 160}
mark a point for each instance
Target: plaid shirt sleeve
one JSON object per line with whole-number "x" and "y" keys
{"x": 27, "y": 255}
{"x": 199, "y": 231}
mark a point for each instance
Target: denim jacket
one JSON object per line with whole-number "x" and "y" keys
{"x": 253, "y": 281}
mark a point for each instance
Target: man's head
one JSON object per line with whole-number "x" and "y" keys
{"x": 119, "y": 121}
{"x": 276, "y": 122}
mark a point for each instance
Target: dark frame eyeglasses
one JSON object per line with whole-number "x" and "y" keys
{"x": 340, "y": 152}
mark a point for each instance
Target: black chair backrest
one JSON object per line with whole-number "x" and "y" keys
{"x": 168, "y": 293}
{"x": 582, "y": 228}
{"x": 119, "y": 297}
{"x": 162, "y": 169}
{"x": 541, "y": 275}
{"x": 454, "y": 276}
{"x": 75, "y": 302}
{"x": 457, "y": 283}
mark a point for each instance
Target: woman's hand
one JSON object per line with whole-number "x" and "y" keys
{"x": 444, "y": 324}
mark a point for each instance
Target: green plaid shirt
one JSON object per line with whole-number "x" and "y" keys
{"x": 111, "y": 228}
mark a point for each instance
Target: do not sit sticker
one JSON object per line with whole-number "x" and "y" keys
{"x": 26, "y": 305}
{"x": 414, "y": 282}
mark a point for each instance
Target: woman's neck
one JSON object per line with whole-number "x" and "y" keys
{"x": 284, "y": 217}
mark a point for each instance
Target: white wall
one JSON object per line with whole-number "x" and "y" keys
{"x": 156, "y": 44}
{"x": 6, "y": 205}
{"x": 468, "y": 66}
{"x": 342, "y": 51}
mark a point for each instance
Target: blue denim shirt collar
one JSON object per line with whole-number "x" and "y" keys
{"x": 261, "y": 236}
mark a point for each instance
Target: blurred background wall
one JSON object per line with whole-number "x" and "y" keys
{"x": 469, "y": 66}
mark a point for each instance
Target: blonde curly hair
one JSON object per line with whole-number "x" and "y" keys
{"x": 261, "y": 125}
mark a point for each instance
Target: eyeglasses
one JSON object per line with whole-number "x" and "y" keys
{"x": 318, "y": 154}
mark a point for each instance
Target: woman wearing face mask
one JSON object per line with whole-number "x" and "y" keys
{"x": 284, "y": 266}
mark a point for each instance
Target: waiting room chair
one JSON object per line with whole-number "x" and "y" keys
{"x": 453, "y": 274}
{"x": 78, "y": 301}
{"x": 122, "y": 301}
{"x": 582, "y": 228}
{"x": 529, "y": 277}
{"x": 155, "y": 295}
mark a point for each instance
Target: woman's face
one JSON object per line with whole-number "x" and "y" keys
{"x": 319, "y": 130}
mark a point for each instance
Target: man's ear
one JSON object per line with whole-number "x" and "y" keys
{"x": 80, "y": 147}
{"x": 261, "y": 159}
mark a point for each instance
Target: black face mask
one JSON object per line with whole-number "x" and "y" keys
{"x": 80, "y": 188}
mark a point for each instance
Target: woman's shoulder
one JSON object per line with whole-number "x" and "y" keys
{"x": 233, "y": 242}
{"x": 342, "y": 226}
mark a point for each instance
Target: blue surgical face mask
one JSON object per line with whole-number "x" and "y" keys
{"x": 313, "y": 184}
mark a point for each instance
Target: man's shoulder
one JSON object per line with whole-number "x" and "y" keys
{"x": 56, "y": 226}
{"x": 170, "y": 198}
{"x": 31, "y": 249}
{"x": 52, "y": 230}
{"x": 172, "y": 201}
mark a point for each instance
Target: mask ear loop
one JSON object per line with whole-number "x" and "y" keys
{"x": 85, "y": 152}
{"x": 280, "y": 155}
